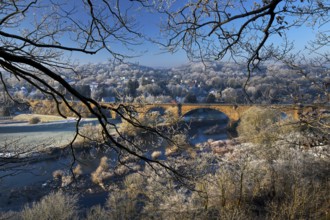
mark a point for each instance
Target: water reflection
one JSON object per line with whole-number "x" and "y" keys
{"x": 206, "y": 124}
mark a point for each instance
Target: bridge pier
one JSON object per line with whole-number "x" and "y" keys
{"x": 179, "y": 106}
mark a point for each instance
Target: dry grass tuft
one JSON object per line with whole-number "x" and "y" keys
{"x": 156, "y": 154}
{"x": 66, "y": 180}
{"x": 101, "y": 173}
{"x": 77, "y": 171}
{"x": 34, "y": 120}
{"x": 57, "y": 174}
{"x": 171, "y": 150}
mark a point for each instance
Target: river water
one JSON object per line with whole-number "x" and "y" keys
{"x": 32, "y": 180}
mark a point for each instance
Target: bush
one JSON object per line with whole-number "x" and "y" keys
{"x": 122, "y": 205}
{"x": 34, "y": 120}
{"x": 97, "y": 212}
{"x": 49, "y": 108}
{"x": 9, "y": 215}
{"x": 129, "y": 129}
{"x": 53, "y": 206}
{"x": 259, "y": 125}
{"x": 90, "y": 133}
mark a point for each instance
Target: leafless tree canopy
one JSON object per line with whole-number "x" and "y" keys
{"x": 252, "y": 30}
{"x": 37, "y": 37}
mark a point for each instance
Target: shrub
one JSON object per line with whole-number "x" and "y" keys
{"x": 9, "y": 215}
{"x": 170, "y": 117}
{"x": 122, "y": 205}
{"x": 53, "y": 206}
{"x": 34, "y": 120}
{"x": 90, "y": 133}
{"x": 150, "y": 119}
{"x": 97, "y": 212}
{"x": 121, "y": 170}
{"x": 134, "y": 184}
{"x": 258, "y": 125}
{"x": 128, "y": 129}
{"x": 48, "y": 107}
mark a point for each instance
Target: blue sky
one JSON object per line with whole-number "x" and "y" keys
{"x": 147, "y": 53}
{"x": 153, "y": 55}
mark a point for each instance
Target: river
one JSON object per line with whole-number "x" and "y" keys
{"x": 33, "y": 180}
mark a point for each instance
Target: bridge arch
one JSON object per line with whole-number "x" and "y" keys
{"x": 206, "y": 114}
{"x": 231, "y": 111}
{"x": 161, "y": 110}
{"x": 155, "y": 113}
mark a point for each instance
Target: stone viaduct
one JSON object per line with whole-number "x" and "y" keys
{"x": 233, "y": 112}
